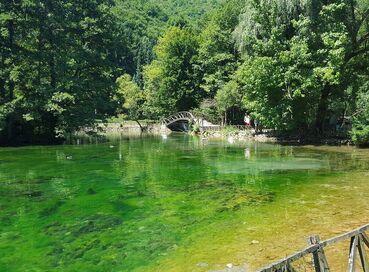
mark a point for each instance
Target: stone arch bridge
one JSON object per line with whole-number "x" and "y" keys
{"x": 182, "y": 121}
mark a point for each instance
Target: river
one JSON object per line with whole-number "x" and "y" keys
{"x": 175, "y": 203}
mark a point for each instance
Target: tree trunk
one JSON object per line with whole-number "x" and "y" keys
{"x": 10, "y": 123}
{"x": 2, "y": 90}
{"x": 39, "y": 49}
{"x": 315, "y": 7}
{"x": 322, "y": 109}
{"x": 52, "y": 73}
{"x": 139, "y": 124}
{"x": 11, "y": 47}
{"x": 52, "y": 51}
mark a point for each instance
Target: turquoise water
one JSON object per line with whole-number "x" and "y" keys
{"x": 172, "y": 204}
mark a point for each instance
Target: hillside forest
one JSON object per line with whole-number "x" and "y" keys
{"x": 297, "y": 66}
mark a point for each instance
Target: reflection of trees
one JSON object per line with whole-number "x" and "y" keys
{"x": 160, "y": 189}
{"x": 177, "y": 163}
{"x": 178, "y": 179}
{"x": 337, "y": 159}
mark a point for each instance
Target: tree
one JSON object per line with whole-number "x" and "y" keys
{"x": 217, "y": 58}
{"x": 143, "y": 22}
{"x": 309, "y": 48}
{"x": 130, "y": 99}
{"x": 360, "y": 130}
{"x": 58, "y": 68}
{"x": 228, "y": 97}
{"x": 170, "y": 80}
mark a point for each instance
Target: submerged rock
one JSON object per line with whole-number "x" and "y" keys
{"x": 91, "y": 191}
{"x": 79, "y": 252}
{"x": 90, "y": 224}
{"x": 31, "y": 181}
{"x": 202, "y": 265}
{"x": 54, "y": 228}
{"x": 231, "y": 268}
{"x": 53, "y": 208}
{"x": 95, "y": 223}
{"x": 11, "y": 235}
{"x": 34, "y": 194}
{"x": 21, "y": 193}
{"x": 57, "y": 250}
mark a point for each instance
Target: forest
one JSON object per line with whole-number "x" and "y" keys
{"x": 297, "y": 66}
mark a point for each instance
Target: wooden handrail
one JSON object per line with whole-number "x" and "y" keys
{"x": 358, "y": 238}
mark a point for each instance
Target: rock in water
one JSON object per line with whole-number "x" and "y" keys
{"x": 91, "y": 191}
{"x": 202, "y": 265}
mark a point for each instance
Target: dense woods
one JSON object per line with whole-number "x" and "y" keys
{"x": 298, "y": 66}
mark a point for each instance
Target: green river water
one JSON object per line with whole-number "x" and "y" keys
{"x": 174, "y": 204}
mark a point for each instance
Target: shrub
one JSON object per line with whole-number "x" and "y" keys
{"x": 360, "y": 135}
{"x": 360, "y": 128}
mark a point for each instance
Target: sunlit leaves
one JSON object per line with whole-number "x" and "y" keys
{"x": 170, "y": 81}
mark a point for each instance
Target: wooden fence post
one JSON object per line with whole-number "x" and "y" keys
{"x": 362, "y": 253}
{"x": 319, "y": 258}
{"x": 352, "y": 255}
{"x": 359, "y": 244}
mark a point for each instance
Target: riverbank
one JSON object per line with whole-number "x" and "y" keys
{"x": 269, "y": 136}
{"x": 231, "y": 133}
{"x": 130, "y": 127}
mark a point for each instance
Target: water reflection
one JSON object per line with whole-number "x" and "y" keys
{"x": 166, "y": 198}
{"x": 247, "y": 153}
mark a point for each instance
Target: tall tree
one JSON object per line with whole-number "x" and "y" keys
{"x": 217, "y": 55}
{"x": 170, "y": 80}
{"x": 130, "y": 99}
{"x": 311, "y": 46}
{"x": 59, "y": 65}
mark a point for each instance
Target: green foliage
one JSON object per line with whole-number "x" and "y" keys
{"x": 229, "y": 96}
{"x": 143, "y": 22}
{"x": 170, "y": 79}
{"x": 360, "y": 135}
{"x": 299, "y": 60}
{"x": 59, "y": 60}
{"x": 229, "y": 130}
{"x": 129, "y": 97}
{"x": 360, "y": 131}
{"x": 217, "y": 57}
{"x": 292, "y": 64}
{"x": 195, "y": 128}
{"x": 208, "y": 110}
{"x": 57, "y": 66}
{"x": 281, "y": 90}
{"x": 192, "y": 66}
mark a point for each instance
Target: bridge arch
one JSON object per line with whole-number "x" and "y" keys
{"x": 181, "y": 121}
{"x": 183, "y": 116}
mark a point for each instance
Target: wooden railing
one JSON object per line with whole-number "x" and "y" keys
{"x": 358, "y": 241}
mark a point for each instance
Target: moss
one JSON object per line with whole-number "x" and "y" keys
{"x": 91, "y": 191}
{"x": 52, "y": 208}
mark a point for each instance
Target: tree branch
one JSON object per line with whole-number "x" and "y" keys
{"x": 356, "y": 53}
